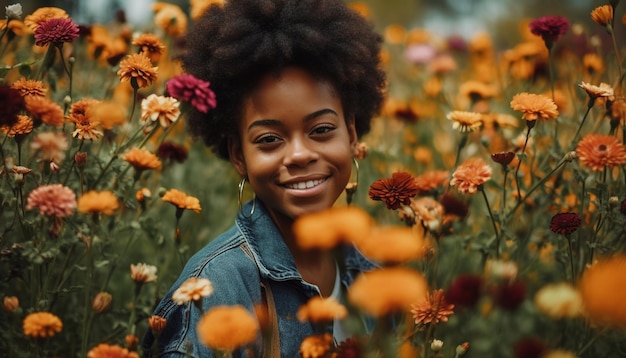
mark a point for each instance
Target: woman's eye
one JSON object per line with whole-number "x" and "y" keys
{"x": 323, "y": 129}
{"x": 267, "y": 139}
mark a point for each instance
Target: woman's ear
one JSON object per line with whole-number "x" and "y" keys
{"x": 354, "y": 138}
{"x": 235, "y": 154}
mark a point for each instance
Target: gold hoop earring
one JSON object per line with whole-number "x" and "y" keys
{"x": 352, "y": 186}
{"x": 242, "y": 185}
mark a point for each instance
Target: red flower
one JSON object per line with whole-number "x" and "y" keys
{"x": 550, "y": 28}
{"x": 172, "y": 151}
{"x": 56, "y": 31}
{"x": 503, "y": 158}
{"x": 530, "y": 347}
{"x": 464, "y": 291}
{"x": 509, "y": 296}
{"x": 394, "y": 191}
{"x": 11, "y": 103}
{"x": 565, "y": 223}
{"x": 190, "y": 89}
{"x": 622, "y": 208}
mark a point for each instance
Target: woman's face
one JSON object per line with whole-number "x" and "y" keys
{"x": 295, "y": 145}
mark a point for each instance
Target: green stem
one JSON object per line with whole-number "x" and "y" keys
{"x": 87, "y": 309}
{"x": 519, "y": 162}
{"x": 580, "y": 126}
{"x": 493, "y": 220}
{"x": 618, "y": 58}
{"x": 571, "y": 259}
{"x": 69, "y": 172}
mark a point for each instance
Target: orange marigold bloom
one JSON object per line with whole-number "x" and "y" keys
{"x": 42, "y": 14}
{"x": 42, "y": 325}
{"x": 109, "y": 114}
{"x": 471, "y": 174}
{"x": 393, "y": 244}
{"x": 477, "y": 90}
{"x": 23, "y": 126}
{"x": 30, "y": 87}
{"x": 433, "y": 309}
{"x": 227, "y": 327}
{"x": 319, "y": 309}
{"x": 156, "y": 323}
{"x": 10, "y": 303}
{"x": 598, "y": 151}
{"x": 593, "y": 63}
{"x": 16, "y": 26}
{"x": 141, "y": 159}
{"x": 387, "y": 290}
{"x": 316, "y": 346}
{"x": 428, "y": 211}
{"x": 137, "y": 68}
{"x": 464, "y": 121}
{"x": 395, "y": 191}
{"x": 431, "y": 181}
{"x": 45, "y": 110}
{"x": 602, "y": 15}
{"x": 104, "y": 350}
{"x": 86, "y": 124}
{"x": 603, "y": 290}
{"x": 101, "y": 302}
{"x": 182, "y": 200}
{"x": 160, "y": 108}
{"x": 193, "y": 289}
{"x": 170, "y": 18}
{"x": 50, "y": 145}
{"x": 341, "y": 225}
{"x": 150, "y": 45}
{"x": 93, "y": 202}
{"x": 534, "y": 106}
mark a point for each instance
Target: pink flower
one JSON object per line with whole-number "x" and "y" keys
{"x": 52, "y": 200}
{"x": 550, "y": 28}
{"x": 56, "y": 31}
{"x": 188, "y": 88}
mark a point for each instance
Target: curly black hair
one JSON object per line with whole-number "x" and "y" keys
{"x": 233, "y": 46}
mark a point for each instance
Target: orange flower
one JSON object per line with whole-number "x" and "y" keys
{"x": 433, "y": 309}
{"x": 156, "y": 323}
{"x": 86, "y": 124}
{"x": 51, "y": 145}
{"x": 593, "y": 63}
{"x": 428, "y": 211}
{"x": 23, "y": 126}
{"x": 11, "y": 303}
{"x": 150, "y": 45}
{"x": 319, "y": 309}
{"x": 431, "y": 181}
{"x": 170, "y": 18}
{"x": 602, "y": 90}
{"x": 160, "y": 108}
{"x": 141, "y": 159}
{"x": 93, "y": 202}
{"x": 395, "y": 191}
{"x": 104, "y": 350}
{"x": 602, "y": 15}
{"x": 15, "y": 26}
{"x": 45, "y": 110}
{"x": 101, "y": 302}
{"x": 534, "y": 106}
{"x": 198, "y": 7}
{"x": 109, "y": 114}
{"x": 603, "y": 290}
{"x": 42, "y": 325}
{"x": 340, "y": 225}
{"x": 182, "y": 200}
{"x": 464, "y": 121}
{"x": 143, "y": 273}
{"x": 42, "y": 14}
{"x": 316, "y": 346}
{"x": 393, "y": 244}
{"x": 361, "y": 8}
{"x": 227, "y": 327}
{"x": 477, "y": 90}
{"x": 30, "y": 87}
{"x": 598, "y": 151}
{"x": 193, "y": 289}
{"x": 137, "y": 68}
{"x": 471, "y": 174}
{"x": 387, "y": 290}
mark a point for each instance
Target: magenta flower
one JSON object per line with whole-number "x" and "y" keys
{"x": 56, "y": 31}
{"x": 11, "y": 103}
{"x": 190, "y": 89}
{"x": 550, "y": 28}
{"x": 52, "y": 200}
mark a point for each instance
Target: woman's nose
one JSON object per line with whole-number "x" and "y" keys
{"x": 299, "y": 152}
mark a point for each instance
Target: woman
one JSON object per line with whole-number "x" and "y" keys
{"x": 297, "y": 82}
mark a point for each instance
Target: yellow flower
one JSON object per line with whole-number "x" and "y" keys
{"x": 143, "y": 273}
{"x": 464, "y": 121}
{"x": 170, "y": 18}
{"x": 45, "y": 110}
{"x": 182, "y": 200}
{"x": 559, "y": 300}
{"x": 227, "y": 327}
{"x": 602, "y": 15}
{"x": 93, "y": 202}
{"x": 534, "y": 106}
{"x": 141, "y": 159}
{"x": 156, "y": 323}
{"x": 42, "y": 325}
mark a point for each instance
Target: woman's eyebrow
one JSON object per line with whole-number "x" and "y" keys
{"x": 270, "y": 122}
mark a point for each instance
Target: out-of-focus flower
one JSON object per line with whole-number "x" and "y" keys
{"x": 156, "y": 323}
{"x": 360, "y": 151}
{"x": 420, "y": 53}
{"x": 86, "y": 126}
{"x": 50, "y": 145}
{"x": 534, "y": 106}
{"x": 603, "y": 15}
{"x": 462, "y": 348}
{"x": 503, "y": 158}
{"x": 501, "y": 269}
{"x": 171, "y": 18}
{"x": 142, "y": 194}
{"x": 11, "y": 103}
{"x": 565, "y": 223}
{"x": 602, "y": 90}
{"x": 131, "y": 341}
{"x": 341, "y": 225}
{"x": 395, "y": 191}
{"x": 559, "y": 353}
{"x": 98, "y": 202}
{"x": 193, "y": 289}
{"x": 509, "y": 295}
{"x": 104, "y": 350}
{"x": 471, "y": 174}
{"x": 428, "y": 211}
{"x": 387, "y": 290}
{"x": 11, "y": 303}
{"x": 529, "y": 347}
{"x": 29, "y": 87}
{"x": 170, "y": 151}
{"x": 198, "y": 7}
{"x": 316, "y": 345}
{"x": 559, "y": 300}
{"x": 52, "y": 200}
{"x": 143, "y": 273}
{"x": 465, "y": 290}
{"x": 43, "y": 14}
{"x": 160, "y": 108}
{"x": 622, "y": 208}
{"x": 45, "y": 110}
{"x": 187, "y": 88}
{"x": 550, "y": 28}
{"x": 349, "y": 348}
{"x": 599, "y": 151}
{"x": 13, "y": 12}
{"x": 101, "y": 302}
{"x": 393, "y": 244}
{"x": 42, "y": 325}
{"x": 23, "y": 126}
{"x": 150, "y": 45}
{"x": 319, "y": 309}
{"x": 436, "y": 345}
{"x": 181, "y": 200}
{"x": 464, "y": 121}
{"x": 227, "y": 327}
{"x": 109, "y": 114}
{"x": 138, "y": 70}
{"x": 477, "y": 90}
{"x": 141, "y": 159}
{"x": 593, "y": 63}
{"x": 56, "y": 32}
{"x": 433, "y": 309}
{"x": 442, "y": 64}
{"x": 603, "y": 288}
{"x": 430, "y": 181}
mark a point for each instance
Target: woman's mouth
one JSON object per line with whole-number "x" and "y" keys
{"x": 305, "y": 184}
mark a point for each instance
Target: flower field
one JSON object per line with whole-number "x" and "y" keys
{"x": 491, "y": 189}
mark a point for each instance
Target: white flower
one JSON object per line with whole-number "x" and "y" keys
{"x": 436, "y": 345}
{"x": 193, "y": 289}
{"x": 143, "y": 273}
{"x": 14, "y": 11}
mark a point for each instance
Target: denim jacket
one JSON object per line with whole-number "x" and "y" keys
{"x": 236, "y": 262}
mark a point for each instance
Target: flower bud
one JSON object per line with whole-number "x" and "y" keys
{"x": 54, "y": 167}
{"x": 436, "y": 345}
{"x": 461, "y": 349}
{"x": 101, "y": 302}
{"x": 614, "y": 202}
{"x": 80, "y": 158}
{"x": 131, "y": 342}
{"x": 11, "y": 303}
{"x": 142, "y": 194}
{"x": 67, "y": 100}
{"x": 156, "y": 323}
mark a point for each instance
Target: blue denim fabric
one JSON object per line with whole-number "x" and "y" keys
{"x": 234, "y": 262}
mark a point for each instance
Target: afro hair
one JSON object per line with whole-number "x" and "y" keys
{"x": 233, "y": 46}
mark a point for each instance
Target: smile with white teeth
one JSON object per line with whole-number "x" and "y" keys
{"x": 305, "y": 184}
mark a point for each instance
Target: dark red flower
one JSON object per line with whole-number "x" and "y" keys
{"x": 465, "y": 291}
{"x": 530, "y": 347}
{"x": 565, "y": 223}
{"x": 195, "y": 91}
{"x": 11, "y": 103}
{"x": 350, "y": 348}
{"x": 454, "y": 205}
{"x": 622, "y": 208}
{"x": 550, "y": 28}
{"x": 394, "y": 191}
{"x": 509, "y": 296}
{"x": 503, "y": 158}
{"x": 56, "y": 31}
{"x": 172, "y": 151}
